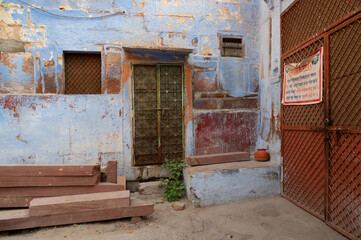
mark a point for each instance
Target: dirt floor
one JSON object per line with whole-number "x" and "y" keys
{"x": 268, "y": 218}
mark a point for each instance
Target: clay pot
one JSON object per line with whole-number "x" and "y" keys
{"x": 261, "y": 155}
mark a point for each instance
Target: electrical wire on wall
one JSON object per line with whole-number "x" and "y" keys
{"x": 58, "y": 15}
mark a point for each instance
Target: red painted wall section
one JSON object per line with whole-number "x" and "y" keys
{"x": 225, "y": 132}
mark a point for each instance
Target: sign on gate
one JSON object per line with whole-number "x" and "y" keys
{"x": 303, "y": 81}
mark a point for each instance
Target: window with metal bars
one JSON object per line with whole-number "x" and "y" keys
{"x": 82, "y": 73}
{"x": 232, "y": 46}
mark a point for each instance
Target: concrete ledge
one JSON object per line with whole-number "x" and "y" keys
{"x": 231, "y": 182}
{"x": 217, "y": 158}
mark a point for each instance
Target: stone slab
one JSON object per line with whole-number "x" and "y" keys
{"x": 231, "y": 182}
{"x": 218, "y": 158}
{"x": 150, "y": 188}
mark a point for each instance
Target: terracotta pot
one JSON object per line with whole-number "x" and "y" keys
{"x": 261, "y": 155}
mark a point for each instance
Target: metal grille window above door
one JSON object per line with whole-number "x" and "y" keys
{"x": 158, "y": 110}
{"x": 82, "y": 73}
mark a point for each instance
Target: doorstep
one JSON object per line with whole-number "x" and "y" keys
{"x": 231, "y": 182}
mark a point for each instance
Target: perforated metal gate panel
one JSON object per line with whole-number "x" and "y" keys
{"x": 304, "y": 167}
{"x": 304, "y": 170}
{"x": 308, "y": 17}
{"x": 321, "y": 143}
{"x": 304, "y": 115}
{"x": 345, "y": 75}
{"x": 158, "y": 109}
{"x": 344, "y": 189}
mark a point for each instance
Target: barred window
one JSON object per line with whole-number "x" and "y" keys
{"x": 232, "y": 46}
{"x": 82, "y": 73}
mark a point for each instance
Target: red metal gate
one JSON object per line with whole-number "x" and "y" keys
{"x": 321, "y": 143}
{"x": 344, "y": 129}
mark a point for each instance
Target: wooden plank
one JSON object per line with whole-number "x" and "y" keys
{"x": 14, "y": 202}
{"x": 21, "y": 219}
{"x": 48, "y": 181}
{"x": 122, "y": 181}
{"x": 112, "y": 171}
{"x": 79, "y": 203}
{"x": 21, "y": 196}
{"x": 59, "y": 191}
{"x": 218, "y": 158}
{"x": 49, "y": 170}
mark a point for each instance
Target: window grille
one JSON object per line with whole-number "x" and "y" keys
{"x": 82, "y": 73}
{"x": 232, "y": 47}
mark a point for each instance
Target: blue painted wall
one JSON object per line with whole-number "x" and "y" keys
{"x": 41, "y": 125}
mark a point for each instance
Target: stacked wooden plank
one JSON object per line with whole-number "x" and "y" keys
{"x": 21, "y": 218}
{"x": 19, "y": 184}
{"x": 49, "y": 175}
{"x": 63, "y": 194}
{"x": 21, "y": 196}
{"x": 74, "y": 209}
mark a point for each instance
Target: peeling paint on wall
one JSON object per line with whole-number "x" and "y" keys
{"x": 17, "y": 73}
{"x": 232, "y": 132}
{"x": 42, "y": 125}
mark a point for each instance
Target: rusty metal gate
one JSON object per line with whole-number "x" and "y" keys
{"x": 321, "y": 143}
{"x": 158, "y": 110}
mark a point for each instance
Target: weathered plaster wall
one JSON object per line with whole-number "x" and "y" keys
{"x": 40, "y": 125}
{"x": 215, "y": 184}
{"x": 59, "y": 129}
{"x": 219, "y": 132}
{"x": 270, "y": 77}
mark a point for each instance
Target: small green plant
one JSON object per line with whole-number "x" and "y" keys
{"x": 175, "y": 187}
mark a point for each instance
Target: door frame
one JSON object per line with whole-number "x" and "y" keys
{"x": 132, "y": 97}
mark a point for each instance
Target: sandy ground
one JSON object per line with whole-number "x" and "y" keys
{"x": 268, "y": 219}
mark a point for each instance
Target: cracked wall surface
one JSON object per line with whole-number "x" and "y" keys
{"x": 216, "y": 185}
{"x": 39, "y": 124}
{"x": 270, "y": 77}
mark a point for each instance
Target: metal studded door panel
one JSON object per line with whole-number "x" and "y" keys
{"x": 171, "y": 91}
{"x": 145, "y": 101}
{"x": 158, "y": 111}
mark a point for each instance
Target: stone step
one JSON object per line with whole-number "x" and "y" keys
{"x": 231, "y": 182}
{"x": 218, "y": 158}
{"x": 151, "y": 188}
